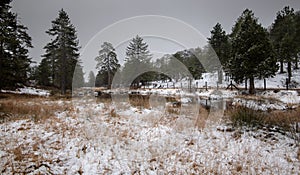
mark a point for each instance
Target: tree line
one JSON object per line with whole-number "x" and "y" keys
{"x": 249, "y": 52}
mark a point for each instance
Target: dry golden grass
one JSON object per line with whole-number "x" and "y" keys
{"x": 23, "y": 106}
{"x": 202, "y": 118}
{"x": 286, "y": 121}
{"x": 284, "y": 118}
{"x": 139, "y": 100}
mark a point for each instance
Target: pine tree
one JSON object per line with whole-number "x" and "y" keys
{"x": 137, "y": 61}
{"x": 107, "y": 62}
{"x": 62, "y": 54}
{"x": 44, "y": 73}
{"x": 220, "y": 43}
{"x": 252, "y": 51}
{"x": 14, "y": 44}
{"x": 49, "y": 66}
{"x": 283, "y": 34}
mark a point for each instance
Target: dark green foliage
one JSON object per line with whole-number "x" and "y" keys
{"x": 60, "y": 61}
{"x": 219, "y": 41}
{"x": 101, "y": 79}
{"x": 14, "y": 44}
{"x": 44, "y": 76}
{"x": 107, "y": 64}
{"x": 284, "y": 36}
{"x": 252, "y": 52}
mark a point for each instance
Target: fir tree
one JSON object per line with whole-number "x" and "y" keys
{"x": 283, "y": 33}
{"x": 252, "y": 51}
{"x": 62, "y": 54}
{"x": 49, "y": 62}
{"x": 220, "y": 43}
{"x": 44, "y": 73}
{"x": 14, "y": 44}
{"x": 107, "y": 62}
{"x": 297, "y": 39}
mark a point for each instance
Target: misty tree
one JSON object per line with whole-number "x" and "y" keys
{"x": 78, "y": 77}
{"x": 107, "y": 63}
{"x": 191, "y": 61}
{"x": 91, "y": 79}
{"x": 62, "y": 55}
{"x": 283, "y": 35}
{"x": 252, "y": 51}
{"x": 137, "y": 60}
{"x": 14, "y": 45}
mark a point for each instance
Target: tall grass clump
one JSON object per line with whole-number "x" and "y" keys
{"x": 284, "y": 122}
{"x": 244, "y": 116}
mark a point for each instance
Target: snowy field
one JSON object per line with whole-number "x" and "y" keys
{"x": 85, "y": 137}
{"x": 88, "y": 136}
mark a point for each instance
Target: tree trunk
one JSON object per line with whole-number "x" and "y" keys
{"x": 281, "y": 67}
{"x": 289, "y": 69}
{"x": 251, "y": 87}
{"x": 64, "y": 74}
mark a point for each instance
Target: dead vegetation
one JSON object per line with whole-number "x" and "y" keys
{"x": 285, "y": 122}
{"x": 124, "y": 130}
{"x": 14, "y": 106}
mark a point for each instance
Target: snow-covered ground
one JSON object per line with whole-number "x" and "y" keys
{"x": 211, "y": 79}
{"x": 104, "y": 138}
{"x": 270, "y": 100}
{"x": 117, "y": 138}
{"x": 29, "y": 91}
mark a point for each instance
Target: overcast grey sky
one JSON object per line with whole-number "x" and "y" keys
{"x": 91, "y": 16}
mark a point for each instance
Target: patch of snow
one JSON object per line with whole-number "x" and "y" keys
{"x": 29, "y": 91}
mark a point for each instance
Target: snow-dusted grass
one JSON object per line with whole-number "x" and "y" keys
{"x": 108, "y": 138}
{"x": 20, "y": 107}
